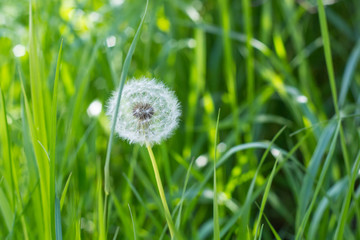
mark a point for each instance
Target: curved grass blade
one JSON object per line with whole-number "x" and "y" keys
{"x": 319, "y": 183}
{"x": 245, "y": 210}
{"x": 349, "y": 72}
{"x": 63, "y": 194}
{"x": 121, "y": 85}
{"x": 265, "y": 197}
{"x": 344, "y": 211}
{"x": 330, "y": 70}
{"x": 336, "y": 191}
{"x": 272, "y": 229}
{"x": 314, "y": 165}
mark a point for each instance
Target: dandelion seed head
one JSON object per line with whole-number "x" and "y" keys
{"x": 148, "y": 112}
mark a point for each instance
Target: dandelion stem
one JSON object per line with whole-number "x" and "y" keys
{"x": 161, "y": 191}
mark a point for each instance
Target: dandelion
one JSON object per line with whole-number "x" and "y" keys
{"x": 148, "y": 114}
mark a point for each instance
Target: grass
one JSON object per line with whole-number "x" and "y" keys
{"x": 280, "y": 162}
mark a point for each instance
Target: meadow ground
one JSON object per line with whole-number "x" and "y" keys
{"x": 269, "y": 93}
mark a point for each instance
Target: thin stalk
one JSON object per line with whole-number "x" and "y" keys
{"x": 161, "y": 191}
{"x": 215, "y": 202}
{"x": 121, "y": 86}
{"x": 330, "y": 69}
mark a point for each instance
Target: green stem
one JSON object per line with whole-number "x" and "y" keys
{"x": 330, "y": 68}
{"x": 161, "y": 191}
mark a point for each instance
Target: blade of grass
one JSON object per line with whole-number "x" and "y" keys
{"x": 319, "y": 183}
{"x": 142, "y": 202}
{"x": 39, "y": 126}
{"x": 178, "y": 219}
{"x": 196, "y": 89}
{"x": 6, "y": 150}
{"x": 247, "y": 18}
{"x": 336, "y": 191}
{"x": 349, "y": 72}
{"x": 133, "y": 223}
{"x": 38, "y": 154}
{"x": 124, "y": 219}
{"x": 100, "y": 207}
{"x": 265, "y": 197}
{"x": 272, "y": 229}
{"x": 245, "y": 210}
{"x": 5, "y": 209}
{"x": 52, "y": 147}
{"x": 116, "y": 233}
{"x": 314, "y": 165}
{"x": 63, "y": 194}
{"x": 330, "y": 69}
{"x": 121, "y": 85}
{"x": 58, "y": 229}
{"x": 339, "y": 233}
{"x": 216, "y": 226}
{"x": 261, "y": 231}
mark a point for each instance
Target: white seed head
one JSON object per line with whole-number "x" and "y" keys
{"x": 148, "y": 112}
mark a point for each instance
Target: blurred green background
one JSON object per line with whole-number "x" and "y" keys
{"x": 261, "y": 62}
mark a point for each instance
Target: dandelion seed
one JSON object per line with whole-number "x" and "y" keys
{"x": 148, "y": 112}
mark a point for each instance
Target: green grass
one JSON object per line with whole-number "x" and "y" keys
{"x": 280, "y": 162}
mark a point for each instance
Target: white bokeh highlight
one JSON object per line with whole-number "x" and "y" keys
{"x": 94, "y": 108}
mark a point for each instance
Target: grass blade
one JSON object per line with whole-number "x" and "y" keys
{"x": 6, "y": 210}
{"x": 178, "y": 219}
{"x": 63, "y": 194}
{"x": 6, "y": 150}
{"x": 52, "y": 144}
{"x": 121, "y": 85}
{"x": 58, "y": 229}
{"x": 349, "y": 72}
{"x": 133, "y": 223}
{"x": 215, "y": 199}
{"x": 336, "y": 191}
{"x": 314, "y": 165}
{"x": 247, "y": 17}
{"x": 272, "y": 229}
{"x": 245, "y": 210}
{"x": 319, "y": 183}
{"x": 265, "y": 197}
{"x": 330, "y": 69}
{"x": 344, "y": 211}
